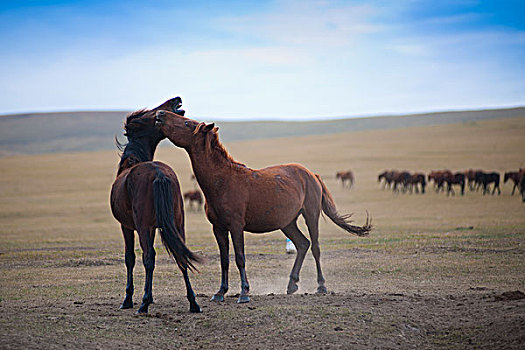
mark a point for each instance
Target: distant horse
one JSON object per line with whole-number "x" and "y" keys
{"x": 470, "y": 175}
{"x": 454, "y": 179}
{"x": 439, "y": 179}
{"x": 241, "y": 199}
{"x": 387, "y": 176}
{"x": 417, "y": 179}
{"x": 145, "y": 196}
{"x": 485, "y": 179}
{"x": 515, "y": 177}
{"x": 400, "y": 178}
{"x": 345, "y": 176}
{"x": 193, "y": 196}
{"x": 522, "y": 184}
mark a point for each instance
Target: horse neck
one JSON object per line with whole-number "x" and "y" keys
{"x": 140, "y": 149}
{"x": 208, "y": 167}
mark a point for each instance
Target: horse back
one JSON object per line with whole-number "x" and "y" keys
{"x": 278, "y": 193}
{"x": 132, "y": 201}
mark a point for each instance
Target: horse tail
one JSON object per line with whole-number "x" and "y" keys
{"x": 342, "y": 221}
{"x": 170, "y": 235}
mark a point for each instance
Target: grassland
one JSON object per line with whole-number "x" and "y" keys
{"x": 427, "y": 276}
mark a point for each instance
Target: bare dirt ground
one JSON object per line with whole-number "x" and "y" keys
{"x": 437, "y": 271}
{"x": 475, "y": 319}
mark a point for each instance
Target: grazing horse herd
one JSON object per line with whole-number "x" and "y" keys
{"x": 445, "y": 180}
{"x": 403, "y": 181}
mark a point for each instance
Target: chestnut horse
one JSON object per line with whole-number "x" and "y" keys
{"x": 193, "y": 196}
{"x": 345, "y": 176}
{"x": 145, "y": 196}
{"x": 241, "y": 199}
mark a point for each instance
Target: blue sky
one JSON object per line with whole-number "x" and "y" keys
{"x": 262, "y": 59}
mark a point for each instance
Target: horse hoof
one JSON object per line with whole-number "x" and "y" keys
{"x": 126, "y": 305}
{"x": 292, "y": 288}
{"x": 143, "y": 309}
{"x": 322, "y": 290}
{"x": 243, "y": 299}
{"x": 217, "y": 297}
{"x": 195, "y": 309}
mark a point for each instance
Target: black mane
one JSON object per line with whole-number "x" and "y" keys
{"x": 142, "y": 139}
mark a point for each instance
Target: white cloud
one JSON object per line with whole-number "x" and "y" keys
{"x": 310, "y": 24}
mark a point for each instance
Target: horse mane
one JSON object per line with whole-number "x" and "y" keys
{"x": 215, "y": 149}
{"x": 133, "y": 148}
{"x": 133, "y": 124}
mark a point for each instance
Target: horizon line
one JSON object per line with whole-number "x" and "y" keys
{"x": 287, "y": 119}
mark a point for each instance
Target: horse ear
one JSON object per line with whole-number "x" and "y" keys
{"x": 208, "y": 127}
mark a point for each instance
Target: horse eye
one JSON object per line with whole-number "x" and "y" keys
{"x": 187, "y": 123}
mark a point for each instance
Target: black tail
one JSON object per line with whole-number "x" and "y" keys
{"x": 342, "y": 221}
{"x": 171, "y": 238}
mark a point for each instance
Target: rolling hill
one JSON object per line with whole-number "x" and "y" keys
{"x": 89, "y": 131}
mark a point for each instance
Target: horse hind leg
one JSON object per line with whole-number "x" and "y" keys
{"x": 496, "y": 186}
{"x": 301, "y": 244}
{"x": 146, "y": 237}
{"x": 190, "y": 294}
{"x": 129, "y": 241}
{"x": 312, "y": 221}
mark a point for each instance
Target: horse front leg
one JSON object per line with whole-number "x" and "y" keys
{"x": 148, "y": 258}
{"x": 240, "y": 260}
{"x": 129, "y": 258}
{"x": 221, "y": 236}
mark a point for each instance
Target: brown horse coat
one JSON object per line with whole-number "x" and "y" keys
{"x": 241, "y": 199}
{"x": 146, "y": 195}
{"x": 193, "y": 196}
{"x": 345, "y": 176}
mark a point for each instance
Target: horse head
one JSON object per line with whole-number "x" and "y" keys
{"x": 143, "y": 135}
{"x": 142, "y": 122}
{"x": 182, "y": 131}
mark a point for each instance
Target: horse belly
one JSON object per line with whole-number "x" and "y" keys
{"x": 271, "y": 217}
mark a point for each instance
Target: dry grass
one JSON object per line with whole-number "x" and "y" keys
{"x": 58, "y": 240}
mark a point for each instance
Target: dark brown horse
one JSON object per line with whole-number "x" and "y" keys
{"x": 417, "y": 179}
{"x": 454, "y": 179}
{"x": 522, "y": 184}
{"x": 439, "y": 178}
{"x": 345, "y": 176}
{"x": 470, "y": 176}
{"x": 515, "y": 176}
{"x": 485, "y": 179}
{"x": 400, "y": 180}
{"x": 241, "y": 199}
{"x": 387, "y": 176}
{"x": 145, "y": 196}
{"x": 193, "y": 196}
